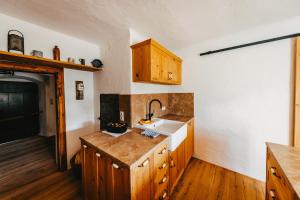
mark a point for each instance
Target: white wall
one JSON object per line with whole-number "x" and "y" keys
{"x": 116, "y": 76}
{"x": 242, "y": 97}
{"x": 79, "y": 114}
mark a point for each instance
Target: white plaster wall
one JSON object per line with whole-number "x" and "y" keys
{"x": 242, "y": 97}
{"x": 79, "y": 114}
{"x": 116, "y": 76}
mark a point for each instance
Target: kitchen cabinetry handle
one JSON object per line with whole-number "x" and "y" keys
{"x": 84, "y": 146}
{"x": 272, "y": 194}
{"x": 98, "y": 154}
{"x": 170, "y": 75}
{"x": 273, "y": 171}
{"x": 163, "y": 165}
{"x": 163, "y": 180}
{"x": 163, "y": 196}
{"x": 163, "y": 151}
{"x": 115, "y": 166}
{"x": 172, "y": 164}
{"x": 145, "y": 163}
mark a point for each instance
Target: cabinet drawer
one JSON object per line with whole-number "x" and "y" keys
{"x": 276, "y": 181}
{"x": 161, "y": 155}
{"x": 161, "y": 181}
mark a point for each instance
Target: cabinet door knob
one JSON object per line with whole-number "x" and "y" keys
{"x": 98, "y": 154}
{"x": 272, "y": 194}
{"x": 163, "y": 180}
{"x": 84, "y": 146}
{"x": 273, "y": 171}
{"x": 137, "y": 75}
{"x": 145, "y": 163}
{"x": 115, "y": 166}
{"x": 163, "y": 165}
{"x": 163, "y": 151}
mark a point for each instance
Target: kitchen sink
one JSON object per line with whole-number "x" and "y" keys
{"x": 177, "y": 131}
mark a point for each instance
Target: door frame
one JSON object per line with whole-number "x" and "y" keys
{"x": 61, "y": 152}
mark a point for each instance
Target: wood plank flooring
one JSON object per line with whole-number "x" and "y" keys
{"x": 206, "y": 181}
{"x": 25, "y": 160}
{"x": 201, "y": 181}
{"x": 56, "y": 186}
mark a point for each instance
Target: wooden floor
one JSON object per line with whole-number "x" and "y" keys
{"x": 24, "y": 161}
{"x": 201, "y": 181}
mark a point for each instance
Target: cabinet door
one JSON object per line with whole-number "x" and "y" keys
{"x": 89, "y": 170}
{"x": 141, "y": 180}
{"x": 100, "y": 176}
{"x": 156, "y": 64}
{"x": 141, "y": 70}
{"x": 177, "y": 165}
{"x": 189, "y": 142}
{"x": 170, "y": 69}
{"x": 117, "y": 181}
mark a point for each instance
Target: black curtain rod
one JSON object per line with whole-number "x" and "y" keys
{"x": 251, "y": 44}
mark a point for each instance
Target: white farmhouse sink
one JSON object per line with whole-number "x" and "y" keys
{"x": 177, "y": 131}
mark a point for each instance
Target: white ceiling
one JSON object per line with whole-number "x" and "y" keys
{"x": 176, "y": 23}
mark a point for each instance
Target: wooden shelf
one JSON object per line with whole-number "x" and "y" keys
{"x": 33, "y": 60}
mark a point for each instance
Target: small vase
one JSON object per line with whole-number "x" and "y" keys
{"x": 56, "y": 53}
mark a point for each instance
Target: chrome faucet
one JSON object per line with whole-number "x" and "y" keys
{"x": 150, "y": 115}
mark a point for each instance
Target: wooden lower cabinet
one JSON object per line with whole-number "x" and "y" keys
{"x": 104, "y": 178}
{"x": 177, "y": 165}
{"x": 277, "y": 187}
{"x": 152, "y": 177}
{"x": 89, "y": 180}
{"x": 189, "y": 142}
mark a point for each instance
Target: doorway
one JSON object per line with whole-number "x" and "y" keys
{"x": 58, "y": 72}
{"x": 28, "y": 124}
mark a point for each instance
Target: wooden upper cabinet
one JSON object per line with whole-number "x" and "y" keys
{"x": 152, "y": 63}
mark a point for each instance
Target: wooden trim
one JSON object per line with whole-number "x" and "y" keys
{"x": 297, "y": 96}
{"x": 60, "y": 103}
{"x": 33, "y": 60}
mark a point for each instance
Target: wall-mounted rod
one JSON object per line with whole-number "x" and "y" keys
{"x": 251, "y": 44}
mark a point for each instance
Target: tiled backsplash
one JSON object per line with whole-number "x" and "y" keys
{"x": 135, "y": 106}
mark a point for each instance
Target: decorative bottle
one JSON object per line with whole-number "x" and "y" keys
{"x": 56, "y": 53}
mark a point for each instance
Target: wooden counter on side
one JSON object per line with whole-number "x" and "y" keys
{"x": 283, "y": 172}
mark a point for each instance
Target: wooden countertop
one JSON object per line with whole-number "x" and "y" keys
{"x": 288, "y": 159}
{"x": 127, "y": 148}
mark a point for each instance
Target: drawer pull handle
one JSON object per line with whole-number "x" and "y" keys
{"x": 98, "y": 155}
{"x": 163, "y": 180}
{"x": 273, "y": 171}
{"x": 272, "y": 194}
{"x": 163, "y": 165}
{"x": 145, "y": 163}
{"x": 163, "y": 196}
{"x": 84, "y": 146}
{"x": 163, "y": 151}
{"x": 172, "y": 164}
{"x": 115, "y": 166}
